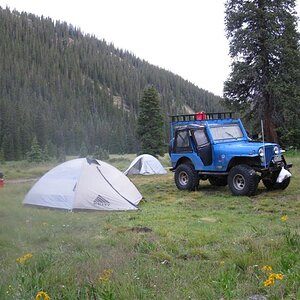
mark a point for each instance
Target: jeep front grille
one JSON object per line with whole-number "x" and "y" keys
{"x": 269, "y": 153}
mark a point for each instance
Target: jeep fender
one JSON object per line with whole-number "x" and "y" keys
{"x": 242, "y": 160}
{"x": 183, "y": 160}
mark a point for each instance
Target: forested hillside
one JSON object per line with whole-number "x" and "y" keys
{"x": 71, "y": 90}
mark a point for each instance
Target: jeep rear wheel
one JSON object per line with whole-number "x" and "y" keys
{"x": 242, "y": 180}
{"x": 186, "y": 178}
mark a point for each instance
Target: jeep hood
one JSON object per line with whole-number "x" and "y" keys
{"x": 241, "y": 148}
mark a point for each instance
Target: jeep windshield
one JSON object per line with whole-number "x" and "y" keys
{"x": 226, "y": 132}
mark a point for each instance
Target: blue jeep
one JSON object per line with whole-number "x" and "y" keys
{"x": 216, "y": 147}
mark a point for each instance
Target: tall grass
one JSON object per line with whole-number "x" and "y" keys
{"x": 178, "y": 245}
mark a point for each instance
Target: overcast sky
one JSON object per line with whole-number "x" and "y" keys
{"x": 184, "y": 37}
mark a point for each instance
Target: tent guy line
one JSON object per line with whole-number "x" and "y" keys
{"x": 114, "y": 188}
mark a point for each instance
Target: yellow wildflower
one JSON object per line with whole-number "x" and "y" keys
{"x": 105, "y": 276}
{"x": 272, "y": 278}
{"x": 269, "y": 281}
{"x": 279, "y": 276}
{"x": 267, "y": 268}
{"x": 42, "y": 296}
{"x": 284, "y": 218}
{"x": 23, "y": 258}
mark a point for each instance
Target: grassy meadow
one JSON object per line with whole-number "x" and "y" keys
{"x": 206, "y": 244}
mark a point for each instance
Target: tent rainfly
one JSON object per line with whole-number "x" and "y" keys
{"x": 84, "y": 184}
{"x": 145, "y": 164}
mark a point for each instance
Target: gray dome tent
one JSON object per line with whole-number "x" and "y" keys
{"x": 84, "y": 184}
{"x": 145, "y": 164}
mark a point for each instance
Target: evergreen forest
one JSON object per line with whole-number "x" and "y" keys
{"x": 69, "y": 91}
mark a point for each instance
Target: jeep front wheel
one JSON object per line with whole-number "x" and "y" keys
{"x": 271, "y": 184}
{"x": 186, "y": 178}
{"x": 242, "y": 180}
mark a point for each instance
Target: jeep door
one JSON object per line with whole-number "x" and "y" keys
{"x": 203, "y": 145}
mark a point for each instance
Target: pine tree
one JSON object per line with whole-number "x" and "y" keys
{"x": 35, "y": 154}
{"x": 100, "y": 153}
{"x": 83, "y": 152}
{"x": 265, "y": 77}
{"x": 2, "y": 160}
{"x": 150, "y": 124}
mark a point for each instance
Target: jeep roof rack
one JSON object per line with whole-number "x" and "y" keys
{"x": 202, "y": 116}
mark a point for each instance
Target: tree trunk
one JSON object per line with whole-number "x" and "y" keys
{"x": 270, "y": 128}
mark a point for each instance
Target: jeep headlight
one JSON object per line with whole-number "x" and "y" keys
{"x": 276, "y": 150}
{"x": 261, "y": 152}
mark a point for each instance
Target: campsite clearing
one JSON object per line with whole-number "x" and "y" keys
{"x": 178, "y": 245}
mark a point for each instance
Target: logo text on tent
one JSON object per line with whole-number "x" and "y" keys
{"x": 100, "y": 201}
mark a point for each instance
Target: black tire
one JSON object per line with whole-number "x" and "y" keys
{"x": 218, "y": 180}
{"x": 186, "y": 178}
{"x": 242, "y": 180}
{"x": 284, "y": 184}
{"x": 271, "y": 184}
